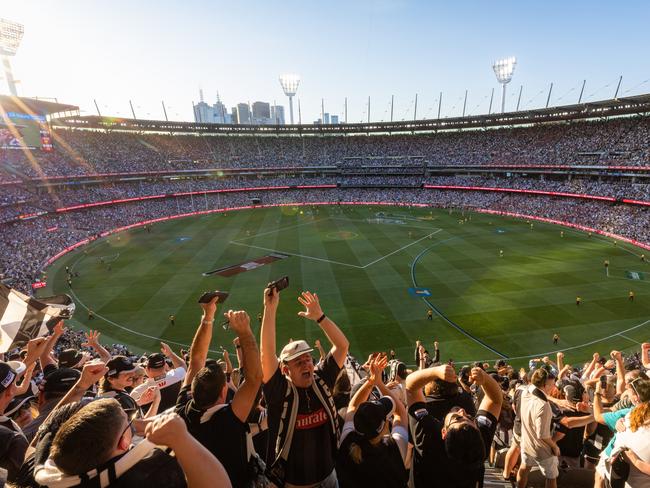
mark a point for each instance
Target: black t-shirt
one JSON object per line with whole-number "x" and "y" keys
{"x": 128, "y": 404}
{"x": 439, "y": 406}
{"x": 432, "y": 467}
{"x": 13, "y": 445}
{"x": 311, "y": 457}
{"x": 223, "y": 434}
{"x": 571, "y": 444}
{"x": 381, "y": 465}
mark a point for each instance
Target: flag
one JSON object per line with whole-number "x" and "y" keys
{"x": 23, "y": 318}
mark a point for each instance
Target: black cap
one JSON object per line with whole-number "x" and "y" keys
{"x": 69, "y": 358}
{"x": 156, "y": 360}
{"x": 16, "y": 403}
{"x": 60, "y": 380}
{"x": 370, "y": 416}
{"x": 119, "y": 364}
{"x": 7, "y": 376}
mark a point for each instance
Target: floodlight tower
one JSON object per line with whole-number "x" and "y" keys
{"x": 503, "y": 69}
{"x": 11, "y": 33}
{"x": 289, "y": 83}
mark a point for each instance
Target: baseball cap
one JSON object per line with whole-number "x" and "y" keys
{"x": 16, "y": 403}
{"x": 294, "y": 349}
{"x": 119, "y": 364}
{"x": 7, "y": 375}
{"x": 156, "y": 360}
{"x": 60, "y": 380}
{"x": 18, "y": 366}
{"x": 69, "y": 358}
{"x": 370, "y": 416}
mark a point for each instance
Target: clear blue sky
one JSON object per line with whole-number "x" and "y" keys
{"x": 147, "y": 51}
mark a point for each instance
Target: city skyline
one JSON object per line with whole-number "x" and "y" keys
{"x": 379, "y": 49}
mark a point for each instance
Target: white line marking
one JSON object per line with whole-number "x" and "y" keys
{"x": 401, "y": 249}
{"x": 631, "y": 340}
{"x": 541, "y": 354}
{"x": 135, "y": 332}
{"x": 278, "y": 229}
{"x": 298, "y": 255}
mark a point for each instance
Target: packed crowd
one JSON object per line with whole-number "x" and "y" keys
{"x": 76, "y": 413}
{"x": 21, "y": 200}
{"x": 77, "y": 152}
{"x": 27, "y": 244}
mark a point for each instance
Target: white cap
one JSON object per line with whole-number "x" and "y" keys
{"x": 294, "y": 349}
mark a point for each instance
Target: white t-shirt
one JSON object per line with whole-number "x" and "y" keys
{"x": 639, "y": 442}
{"x": 169, "y": 386}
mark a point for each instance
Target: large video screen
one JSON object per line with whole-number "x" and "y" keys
{"x": 24, "y": 131}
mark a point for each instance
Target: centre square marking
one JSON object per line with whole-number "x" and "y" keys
{"x": 239, "y": 242}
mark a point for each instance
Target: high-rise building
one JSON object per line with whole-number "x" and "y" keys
{"x": 203, "y": 112}
{"x": 215, "y": 114}
{"x": 243, "y": 114}
{"x": 277, "y": 114}
{"x": 234, "y": 117}
{"x": 326, "y": 118}
{"x": 334, "y": 119}
{"x": 261, "y": 113}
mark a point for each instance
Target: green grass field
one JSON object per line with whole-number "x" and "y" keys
{"x": 362, "y": 265}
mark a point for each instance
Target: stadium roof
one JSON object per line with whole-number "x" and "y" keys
{"x": 34, "y": 106}
{"x": 636, "y": 105}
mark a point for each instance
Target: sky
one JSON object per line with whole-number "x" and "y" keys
{"x": 148, "y": 51}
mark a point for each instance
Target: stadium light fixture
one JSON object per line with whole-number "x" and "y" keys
{"x": 289, "y": 83}
{"x": 11, "y": 33}
{"x": 503, "y": 69}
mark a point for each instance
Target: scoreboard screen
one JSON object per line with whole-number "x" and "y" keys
{"x": 25, "y": 131}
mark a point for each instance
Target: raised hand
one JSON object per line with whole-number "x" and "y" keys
{"x": 165, "y": 429}
{"x": 271, "y": 298}
{"x": 309, "y": 300}
{"x": 59, "y": 328}
{"x": 91, "y": 373}
{"x": 446, "y": 373}
{"x": 239, "y": 321}
{"x": 166, "y": 350}
{"x": 148, "y": 396}
{"x": 92, "y": 338}
{"x": 210, "y": 308}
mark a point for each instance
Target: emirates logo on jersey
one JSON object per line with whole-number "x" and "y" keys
{"x": 311, "y": 420}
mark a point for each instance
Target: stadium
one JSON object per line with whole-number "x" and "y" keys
{"x": 511, "y": 240}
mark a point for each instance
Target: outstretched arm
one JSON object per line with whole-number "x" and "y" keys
{"x": 493, "y": 398}
{"x": 50, "y": 342}
{"x": 313, "y": 311}
{"x": 244, "y": 399}
{"x": 177, "y": 361}
{"x": 267, "y": 334}
{"x": 201, "y": 341}
{"x": 92, "y": 340}
{"x": 415, "y": 381}
{"x": 201, "y": 468}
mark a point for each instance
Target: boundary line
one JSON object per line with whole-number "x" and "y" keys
{"x": 401, "y": 248}
{"x": 626, "y": 337}
{"x": 279, "y": 229}
{"x": 135, "y": 332}
{"x": 297, "y": 255}
{"x": 237, "y": 243}
{"x": 442, "y": 315}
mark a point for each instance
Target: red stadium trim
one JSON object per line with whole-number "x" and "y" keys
{"x": 391, "y": 204}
